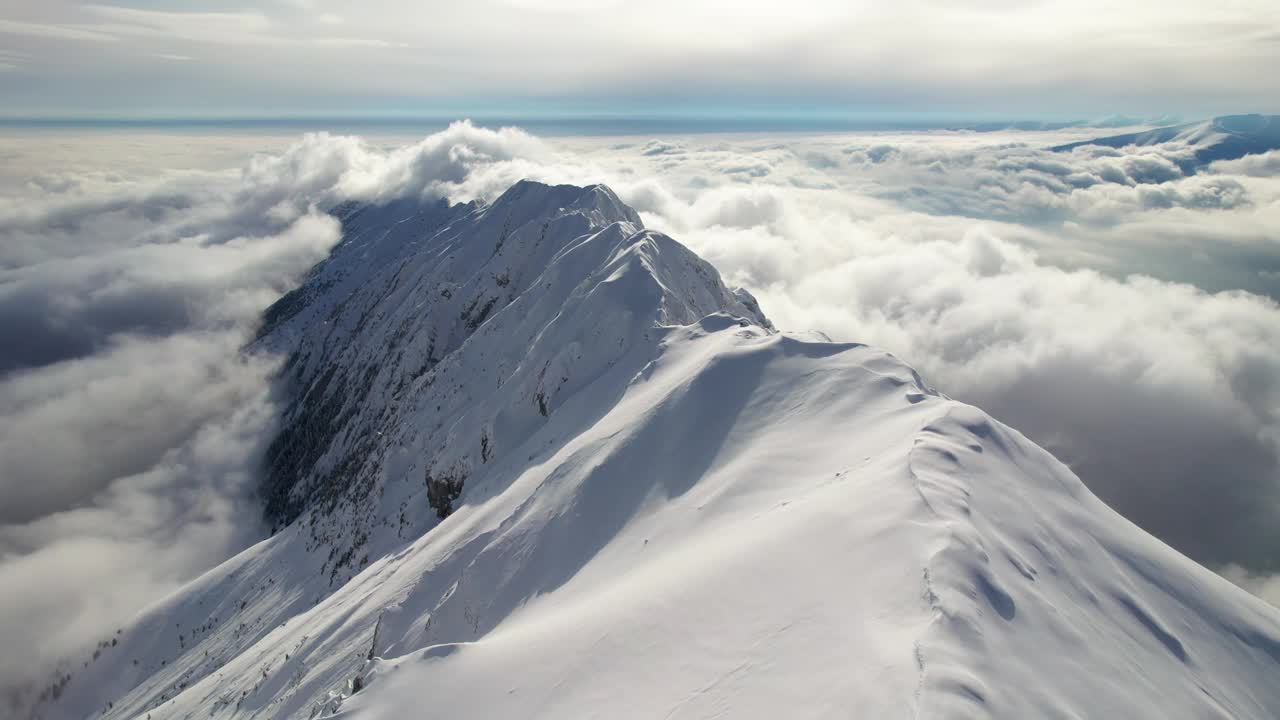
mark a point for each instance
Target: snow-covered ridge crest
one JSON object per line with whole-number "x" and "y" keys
{"x": 543, "y": 463}
{"x": 483, "y": 316}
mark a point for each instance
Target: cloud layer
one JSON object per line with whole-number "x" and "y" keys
{"x": 1096, "y": 300}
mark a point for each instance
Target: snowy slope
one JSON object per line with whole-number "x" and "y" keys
{"x": 1223, "y": 138}
{"x": 542, "y": 463}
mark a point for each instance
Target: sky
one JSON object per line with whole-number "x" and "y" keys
{"x": 375, "y": 58}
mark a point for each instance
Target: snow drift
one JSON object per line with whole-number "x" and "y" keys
{"x": 542, "y": 462}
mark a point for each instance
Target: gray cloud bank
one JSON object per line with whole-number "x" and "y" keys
{"x": 1115, "y": 310}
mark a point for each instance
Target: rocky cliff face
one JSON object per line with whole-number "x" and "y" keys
{"x": 437, "y": 339}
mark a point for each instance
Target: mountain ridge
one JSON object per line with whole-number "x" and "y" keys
{"x": 542, "y": 463}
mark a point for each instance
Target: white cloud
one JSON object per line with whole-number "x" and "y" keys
{"x": 1262, "y": 165}
{"x": 1264, "y": 586}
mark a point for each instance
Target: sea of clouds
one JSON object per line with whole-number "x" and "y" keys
{"x": 1114, "y": 309}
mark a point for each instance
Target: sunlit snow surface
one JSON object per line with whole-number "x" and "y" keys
{"x": 667, "y": 509}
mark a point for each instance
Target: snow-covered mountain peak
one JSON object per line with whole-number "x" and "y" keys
{"x": 519, "y": 302}
{"x": 531, "y": 199}
{"x": 542, "y": 463}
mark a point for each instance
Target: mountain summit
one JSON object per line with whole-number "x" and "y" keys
{"x": 540, "y": 462}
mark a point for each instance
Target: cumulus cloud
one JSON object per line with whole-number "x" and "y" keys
{"x": 131, "y": 422}
{"x": 1262, "y": 165}
{"x": 659, "y": 147}
{"x": 326, "y": 168}
{"x": 53, "y": 311}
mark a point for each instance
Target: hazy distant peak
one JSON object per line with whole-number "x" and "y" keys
{"x": 1222, "y": 138}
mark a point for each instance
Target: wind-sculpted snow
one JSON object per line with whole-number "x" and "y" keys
{"x": 543, "y": 463}
{"x": 1051, "y": 605}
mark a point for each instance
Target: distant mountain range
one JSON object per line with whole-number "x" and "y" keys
{"x": 1223, "y": 138}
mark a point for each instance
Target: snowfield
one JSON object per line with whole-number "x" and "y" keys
{"x": 542, "y": 463}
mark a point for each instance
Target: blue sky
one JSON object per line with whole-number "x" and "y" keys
{"x": 990, "y": 58}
